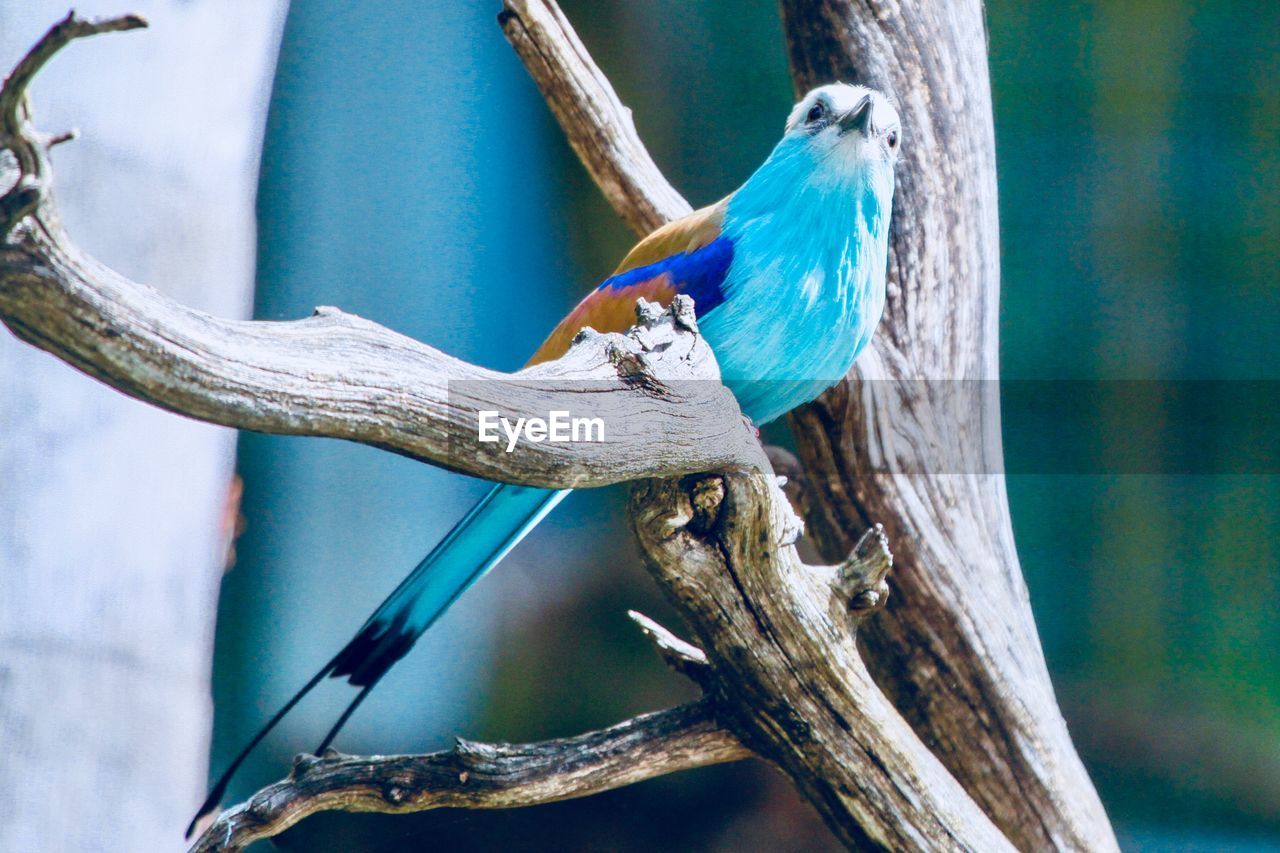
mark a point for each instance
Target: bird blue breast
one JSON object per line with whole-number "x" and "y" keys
{"x": 806, "y": 284}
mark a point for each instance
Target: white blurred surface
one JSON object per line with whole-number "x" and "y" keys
{"x": 110, "y": 542}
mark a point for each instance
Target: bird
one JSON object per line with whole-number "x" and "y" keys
{"x": 787, "y": 275}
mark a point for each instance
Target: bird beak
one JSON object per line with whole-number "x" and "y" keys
{"x": 858, "y": 118}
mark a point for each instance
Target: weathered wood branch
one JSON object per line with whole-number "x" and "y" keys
{"x": 30, "y": 149}
{"x": 596, "y": 123}
{"x": 781, "y": 674}
{"x": 957, "y": 649}
{"x": 481, "y": 775}
{"x": 780, "y": 639}
{"x": 682, "y": 656}
{"x": 59, "y": 36}
{"x": 494, "y": 775}
{"x": 340, "y": 376}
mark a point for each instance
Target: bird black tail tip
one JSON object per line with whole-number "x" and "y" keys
{"x": 207, "y": 808}
{"x": 220, "y": 787}
{"x": 365, "y": 659}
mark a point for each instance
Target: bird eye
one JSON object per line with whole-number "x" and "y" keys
{"x": 816, "y": 113}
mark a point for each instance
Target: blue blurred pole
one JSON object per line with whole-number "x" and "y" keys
{"x": 404, "y": 173}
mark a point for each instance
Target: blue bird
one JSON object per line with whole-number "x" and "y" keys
{"x": 788, "y": 279}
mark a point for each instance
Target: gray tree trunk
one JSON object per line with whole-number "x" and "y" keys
{"x": 112, "y": 534}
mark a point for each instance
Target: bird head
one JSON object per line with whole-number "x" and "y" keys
{"x": 846, "y": 127}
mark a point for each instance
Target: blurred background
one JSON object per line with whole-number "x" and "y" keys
{"x": 411, "y": 174}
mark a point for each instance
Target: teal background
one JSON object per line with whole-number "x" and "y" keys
{"x": 412, "y": 175}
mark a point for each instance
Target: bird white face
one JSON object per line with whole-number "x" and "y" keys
{"x": 853, "y": 123}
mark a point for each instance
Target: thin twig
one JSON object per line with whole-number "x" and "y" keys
{"x": 59, "y": 36}
{"x": 480, "y": 775}
{"x": 30, "y": 149}
{"x": 682, "y": 656}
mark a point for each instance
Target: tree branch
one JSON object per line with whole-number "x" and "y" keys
{"x": 339, "y": 376}
{"x": 59, "y": 36}
{"x": 682, "y": 656}
{"x": 596, "y": 123}
{"x": 779, "y": 636}
{"x": 29, "y": 148}
{"x": 481, "y": 775}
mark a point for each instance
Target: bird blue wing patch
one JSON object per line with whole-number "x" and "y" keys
{"x": 699, "y": 274}
{"x": 689, "y": 255}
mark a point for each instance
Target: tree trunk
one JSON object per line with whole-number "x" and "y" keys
{"x": 912, "y": 439}
{"x": 113, "y": 514}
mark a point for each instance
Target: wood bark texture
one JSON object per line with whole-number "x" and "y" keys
{"x": 340, "y": 376}
{"x": 786, "y": 675}
{"x": 909, "y": 440}
{"x": 481, "y": 775}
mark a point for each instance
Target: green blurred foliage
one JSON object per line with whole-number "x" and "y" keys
{"x": 1141, "y": 239}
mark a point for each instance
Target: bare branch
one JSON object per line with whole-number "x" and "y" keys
{"x": 787, "y": 671}
{"x": 29, "y": 148}
{"x": 339, "y": 376}
{"x": 778, "y": 635}
{"x": 684, "y": 657}
{"x": 598, "y": 126}
{"x": 481, "y": 775}
{"x": 59, "y": 36}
